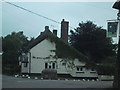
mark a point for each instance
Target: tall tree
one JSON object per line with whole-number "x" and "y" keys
{"x": 13, "y": 45}
{"x": 91, "y": 40}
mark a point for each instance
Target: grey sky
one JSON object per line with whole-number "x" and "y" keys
{"x": 15, "y": 19}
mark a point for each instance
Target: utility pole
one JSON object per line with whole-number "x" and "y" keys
{"x": 116, "y": 83}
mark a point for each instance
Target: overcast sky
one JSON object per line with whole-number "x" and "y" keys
{"x": 15, "y": 19}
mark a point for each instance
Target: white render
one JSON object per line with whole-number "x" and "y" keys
{"x": 43, "y": 49}
{"x": 43, "y": 53}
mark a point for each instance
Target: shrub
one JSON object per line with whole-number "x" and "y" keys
{"x": 49, "y": 74}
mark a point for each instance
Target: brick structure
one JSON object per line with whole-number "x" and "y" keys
{"x": 64, "y": 30}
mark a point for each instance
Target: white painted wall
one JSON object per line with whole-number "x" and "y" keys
{"x": 61, "y": 69}
{"x": 25, "y": 69}
{"x": 39, "y": 64}
{"x": 43, "y": 49}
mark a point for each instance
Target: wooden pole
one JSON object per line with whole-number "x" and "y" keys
{"x": 116, "y": 83}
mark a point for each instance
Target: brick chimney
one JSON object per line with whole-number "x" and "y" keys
{"x": 64, "y": 30}
{"x": 55, "y": 32}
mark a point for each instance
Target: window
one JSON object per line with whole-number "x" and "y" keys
{"x": 50, "y": 65}
{"x": 53, "y": 66}
{"x": 45, "y": 65}
{"x": 24, "y": 58}
{"x": 93, "y": 70}
{"x": 25, "y": 64}
{"x": 79, "y": 69}
{"x": 63, "y": 63}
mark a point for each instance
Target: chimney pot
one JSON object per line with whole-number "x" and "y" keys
{"x": 55, "y": 32}
{"x": 46, "y": 28}
{"x": 41, "y": 33}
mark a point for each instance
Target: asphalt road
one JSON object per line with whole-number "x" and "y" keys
{"x": 12, "y": 82}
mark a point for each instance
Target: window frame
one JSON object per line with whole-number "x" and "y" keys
{"x": 25, "y": 64}
{"x": 93, "y": 70}
{"x": 50, "y": 65}
{"x": 79, "y": 69}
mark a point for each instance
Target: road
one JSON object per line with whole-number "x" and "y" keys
{"x": 12, "y": 82}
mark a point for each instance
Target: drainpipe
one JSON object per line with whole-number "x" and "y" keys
{"x": 29, "y": 63}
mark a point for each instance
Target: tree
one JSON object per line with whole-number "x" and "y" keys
{"x": 91, "y": 40}
{"x": 13, "y": 45}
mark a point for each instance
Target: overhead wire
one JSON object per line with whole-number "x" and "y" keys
{"x": 34, "y": 13}
{"x": 42, "y": 15}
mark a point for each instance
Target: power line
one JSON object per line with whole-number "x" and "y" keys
{"x": 112, "y": 20}
{"x": 34, "y": 13}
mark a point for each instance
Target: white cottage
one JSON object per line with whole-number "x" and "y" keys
{"x": 48, "y": 51}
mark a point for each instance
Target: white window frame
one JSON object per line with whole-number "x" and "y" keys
{"x": 26, "y": 65}
{"x": 50, "y": 64}
{"x": 80, "y": 69}
{"x": 93, "y": 70}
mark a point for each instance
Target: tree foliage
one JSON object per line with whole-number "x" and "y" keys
{"x": 91, "y": 40}
{"x": 13, "y": 45}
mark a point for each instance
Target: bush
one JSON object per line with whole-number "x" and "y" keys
{"x": 11, "y": 69}
{"x": 106, "y": 69}
{"x": 49, "y": 74}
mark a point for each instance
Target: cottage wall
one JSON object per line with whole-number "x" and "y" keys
{"x": 61, "y": 68}
{"x": 43, "y": 50}
{"x": 25, "y": 66}
{"x": 85, "y": 73}
{"x": 37, "y": 65}
{"x": 25, "y": 69}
